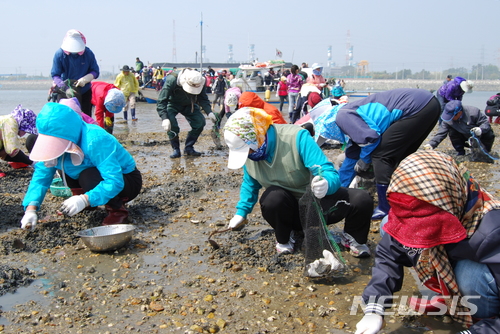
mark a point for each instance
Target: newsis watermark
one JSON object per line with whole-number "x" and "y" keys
{"x": 386, "y": 305}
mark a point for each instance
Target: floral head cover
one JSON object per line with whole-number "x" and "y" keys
{"x": 26, "y": 119}
{"x": 325, "y": 125}
{"x": 250, "y": 125}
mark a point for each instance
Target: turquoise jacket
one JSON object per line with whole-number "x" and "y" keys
{"x": 101, "y": 150}
{"x": 311, "y": 156}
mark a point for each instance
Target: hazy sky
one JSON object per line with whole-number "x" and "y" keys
{"x": 389, "y": 34}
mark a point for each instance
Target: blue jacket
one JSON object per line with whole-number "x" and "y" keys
{"x": 452, "y": 90}
{"x": 74, "y": 66}
{"x": 365, "y": 120}
{"x": 391, "y": 258}
{"x": 311, "y": 156}
{"x": 101, "y": 150}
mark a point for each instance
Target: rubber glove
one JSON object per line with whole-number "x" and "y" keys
{"x": 370, "y": 324}
{"x": 477, "y": 131}
{"x": 29, "y": 220}
{"x": 361, "y": 166}
{"x": 59, "y": 82}
{"x": 74, "y": 204}
{"x": 319, "y": 186}
{"x": 212, "y": 117}
{"x": 236, "y": 222}
{"x": 166, "y": 125}
{"x": 107, "y": 121}
{"x": 428, "y": 147}
{"x": 84, "y": 80}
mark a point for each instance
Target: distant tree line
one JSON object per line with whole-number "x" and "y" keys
{"x": 477, "y": 72}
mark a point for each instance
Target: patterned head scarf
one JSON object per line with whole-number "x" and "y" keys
{"x": 435, "y": 178}
{"x": 26, "y": 119}
{"x": 250, "y": 125}
{"x": 325, "y": 125}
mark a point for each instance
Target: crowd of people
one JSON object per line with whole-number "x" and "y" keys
{"x": 435, "y": 216}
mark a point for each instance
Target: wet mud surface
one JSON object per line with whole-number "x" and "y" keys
{"x": 169, "y": 279}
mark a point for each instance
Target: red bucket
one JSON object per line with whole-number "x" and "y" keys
{"x": 17, "y": 165}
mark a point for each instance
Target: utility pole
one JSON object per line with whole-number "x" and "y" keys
{"x": 174, "y": 51}
{"x": 201, "y": 44}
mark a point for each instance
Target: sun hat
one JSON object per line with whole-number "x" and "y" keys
{"x": 231, "y": 99}
{"x": 467, "y": 86}
{"x": 238, "y": 150}
{"x": 26, "y": 119}
{"x": 74, "y": 41}
{"x": 115, "y": 100}
{"x": 125, "y": 68}
{"x": 246, "y": 129}
{"x": 51, "y": 146}
{"x": 419, "y": 224}
{"x": 450, "y": 110}
{"x": 73, "y": 103}
{"x": 191, "y": 81}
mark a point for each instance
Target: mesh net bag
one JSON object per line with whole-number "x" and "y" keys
{"x": 321, "y": 252}
{"x": 478, "y": 152}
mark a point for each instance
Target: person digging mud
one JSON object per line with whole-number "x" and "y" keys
{"x": 444, "y": 225}
{"x": 19, "y": 122}
{"x": 91, "y": 161}
{"x": 281, "y": 158}
{"x": 381, "y": 129}
{"x": 183, "y": 94}
{"x": 459, "y": 121}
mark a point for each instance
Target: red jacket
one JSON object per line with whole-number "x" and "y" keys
{"x": 282, "y": 88}
{"x": 250, "y": 99}
{"x": 99, "y": 91}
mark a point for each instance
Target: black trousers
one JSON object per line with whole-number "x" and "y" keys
{"x": 91, "y": 177}
{"x": 85, "y": 102}
{"x": 458, "y": 140}
{"x": 403, "y": 138}
{"x": 281, "y": 210}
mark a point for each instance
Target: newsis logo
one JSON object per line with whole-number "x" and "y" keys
{"x": 402, "y": 305}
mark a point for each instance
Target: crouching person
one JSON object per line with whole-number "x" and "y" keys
{"x": 283, "y": 158}
{"x": 444, "y": 225}
{"x": 92, "y": 162}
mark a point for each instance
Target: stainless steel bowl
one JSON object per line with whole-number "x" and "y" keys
{"x": 107, "y": 238}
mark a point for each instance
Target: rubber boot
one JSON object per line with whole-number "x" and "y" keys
{"x": 189, "y": 149}
{"x": 77, "y": 191}
{"x": 175, "y": 145}
{"x": 115, "y": 216}
{"x": 132, "y": 111}
{"x": 383, "y": 206}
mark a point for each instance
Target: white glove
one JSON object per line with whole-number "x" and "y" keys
{"x": 319, "y": 186}
{"x": 84, "y": 80}
{"x": 29, "y": 219}
{"x": 166, "y": 125}
{"x": 428, "y": 147}
{"x": 74, "y": 204}
{"x": 361, "y": 166}
{"x": 236, "y": 222}
{"x": 370, "y": 324}
{"x": 212, "y": 117}
{"x": 477, "y": 131}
